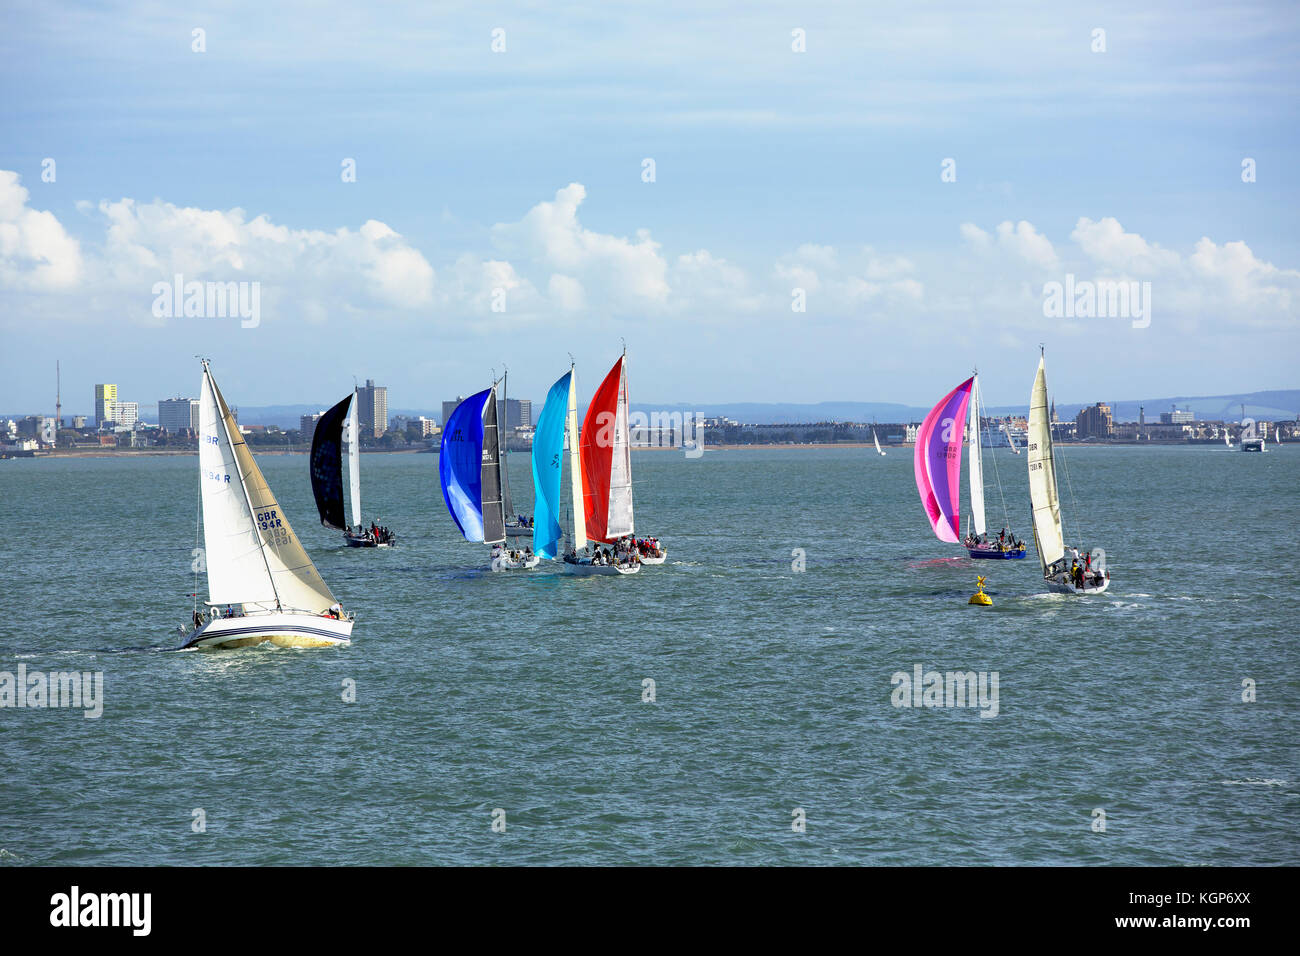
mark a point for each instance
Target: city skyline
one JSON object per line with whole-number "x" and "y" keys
{"x": 846, "y": 212}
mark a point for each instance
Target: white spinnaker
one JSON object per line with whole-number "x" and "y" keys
{"x": 296, "y": 585}
{"x": 352, "y": 438}
{"x": 237, "y": 572}
{"x": 1042, "y": 475}
{"x": 575, "y": 467}
{"x": 619, "y": 522}
{"x": 976, "y": 464}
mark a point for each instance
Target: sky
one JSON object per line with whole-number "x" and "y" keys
{"x": 421, "y": 194}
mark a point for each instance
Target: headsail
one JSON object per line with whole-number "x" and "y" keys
{"x": 548, "y": 463}
{"x": 253, "y": 556}
{"x": 352, "y": 438}
{"x": 1042, "y": 475}
{"x": 937, "y": 462}
{"x": 607, "y": 459}
{"x": 327, "y": 465}
{"x": 976, "y": 463}
{"x": 460, "y": 465}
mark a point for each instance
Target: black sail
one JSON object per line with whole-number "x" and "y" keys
{"x": 327, "y": 465}
{"x": 494, "y": 518}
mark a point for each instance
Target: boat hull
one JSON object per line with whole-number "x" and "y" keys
{"x": 1063, "y": 585}
{"x": 280, "y": 629}
{"x": 982, "y": 553}
{"x": 659, "y": 560}
{"x": 518, "y": 531}
{"x": 507, "y": 564}
{"x": 588, "y": 570}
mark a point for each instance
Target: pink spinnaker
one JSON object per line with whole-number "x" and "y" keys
{"x": 937, "y": 461}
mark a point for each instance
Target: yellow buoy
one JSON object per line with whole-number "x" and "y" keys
{"x": 980, "y": 598}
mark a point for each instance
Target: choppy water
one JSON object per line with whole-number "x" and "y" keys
{"x": 478, "y": 691}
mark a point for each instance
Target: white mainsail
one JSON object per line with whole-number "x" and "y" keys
{"x": 575, "y": 467}
{"x": 252, "y": 555}
{"x": 619, "y": 522}
{"x": 976, "y": 465}
{"x": 1042, "y": 476}
{"x": 352, "y": 439}
{"x": 877, "y": 441}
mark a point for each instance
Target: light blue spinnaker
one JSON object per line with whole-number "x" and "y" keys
{"x": 460, "y": 465}
{"x": 548, "y": 456}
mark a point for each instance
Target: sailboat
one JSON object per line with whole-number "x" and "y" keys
{"x": 978, "y": 544}
{"x": 1227, "y": 437}
{"x": 517, "y": 525}
{"x": 936, "y": 462}
{"x": 262, "y": 586}
{"x": 877, "y": 442}
{"x": 1045, "y": 499}
{"x": 1011, "y": 439}
{"x": 469, "y": 469}
{"x": 338, "y": 437}
{"x": 600, "y": 462}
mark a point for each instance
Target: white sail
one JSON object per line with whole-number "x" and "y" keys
{"x": 619, "y": 522}
{"x": 976, "y": 465}
{"x": 352, "y": 439}
{"x": 240, "y": 536}
{"x": 575, "y": 467}
{"x": 1042, "y": 475}
{"x": 237, "y": 572}
{"x": 877, "y": 441}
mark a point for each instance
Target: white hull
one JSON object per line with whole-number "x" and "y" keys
{"x": 659, "y": 560}
{"x": 586, "y": 570}
{"x": 281, "y": 628}
{"x": 509, "y": 564}
{"x": 1061, "y": 584}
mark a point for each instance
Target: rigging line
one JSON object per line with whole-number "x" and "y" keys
{"x": 198, "y": 532}
{"x": 1006, "y": 518}
{"x": 1074, "y": 506}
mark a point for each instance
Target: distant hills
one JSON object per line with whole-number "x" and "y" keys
{"x": 1268, "y": 405}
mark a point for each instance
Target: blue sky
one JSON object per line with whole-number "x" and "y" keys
{"x": 521, "y": 171}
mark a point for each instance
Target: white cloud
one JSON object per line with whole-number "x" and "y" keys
{"x": 36, "y": 254}
{"x": 1107, "y": 243}
{"x": 629, "y": 272}
{"x": 1019, "y": 240}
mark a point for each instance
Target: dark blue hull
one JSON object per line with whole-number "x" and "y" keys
{"x": 1005, "y": 555}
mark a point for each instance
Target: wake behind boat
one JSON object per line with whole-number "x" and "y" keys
{"x": 1060, "y": 575}
{"x": 338, "y": 438}
{"x": 262, "y": 586}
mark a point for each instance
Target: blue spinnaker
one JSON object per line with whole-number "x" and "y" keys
{"x": 460, "y": 465}
{"x": 548, "y": 455}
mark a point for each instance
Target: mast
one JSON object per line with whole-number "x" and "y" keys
{"x": 579, "y": 523}
{"x": 505, "y": 447}
{"x": 58, "y": 402}
{"x": 1043, "y": 493}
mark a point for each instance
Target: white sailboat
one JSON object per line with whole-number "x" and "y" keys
{"x": 877, "y": 442}
{"x": 262, "y": 586}
{"x": 1011, "y": 439}
{"x": 1045, "y": 499}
